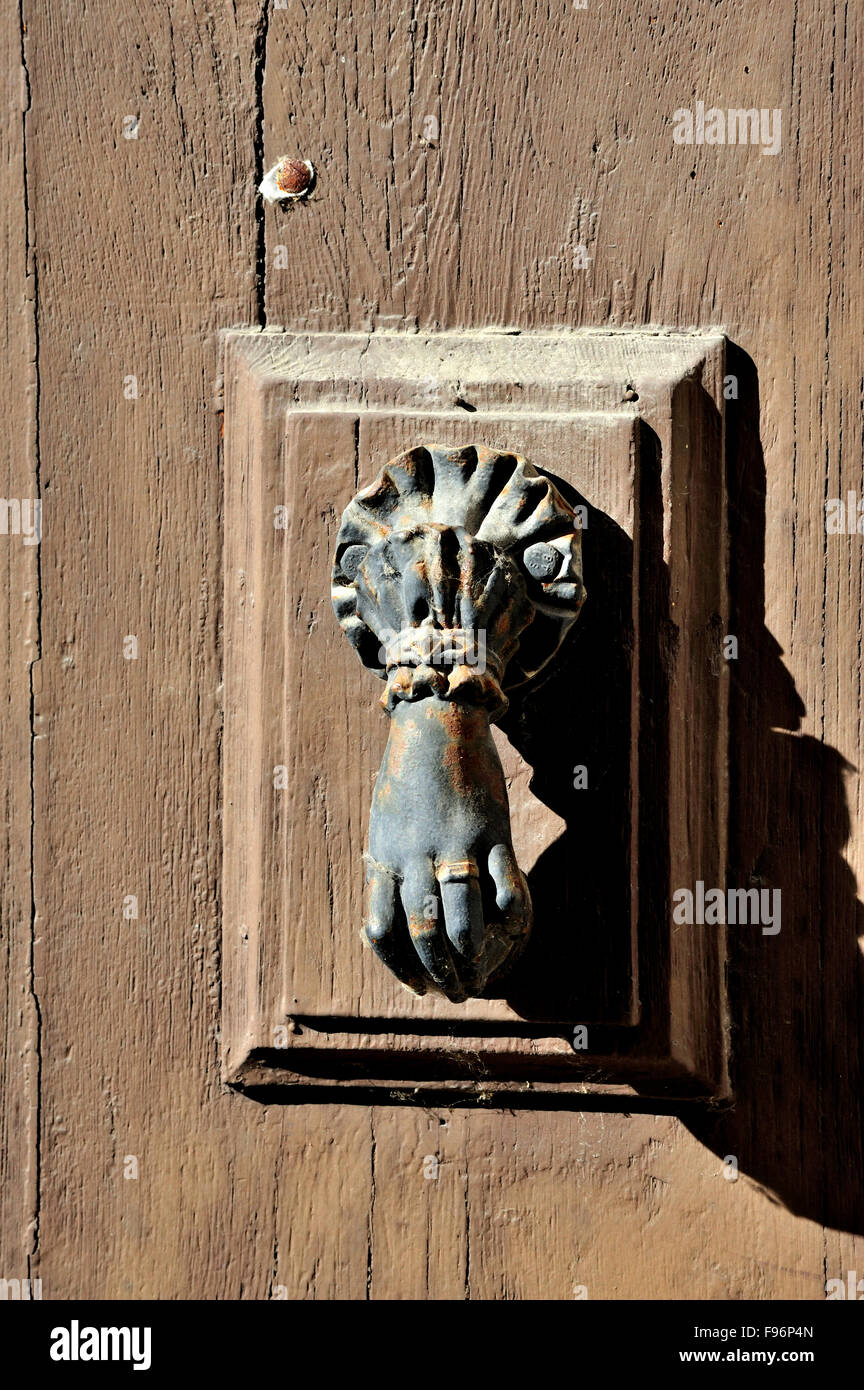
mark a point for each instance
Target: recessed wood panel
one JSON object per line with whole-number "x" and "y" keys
{"x": 310, "y": 419}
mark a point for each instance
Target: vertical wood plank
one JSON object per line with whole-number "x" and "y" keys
{"x": 19, "y": 673}
{"x": 143, "y": 170}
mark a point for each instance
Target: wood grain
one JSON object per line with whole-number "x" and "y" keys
{"x": 19, "y": 636}
{"x": 554, "y": 131}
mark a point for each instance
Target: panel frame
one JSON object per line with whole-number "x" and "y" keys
{"x": 668, "y": 387}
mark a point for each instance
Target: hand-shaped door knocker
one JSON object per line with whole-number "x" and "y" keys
{"x": 457, "y": 574}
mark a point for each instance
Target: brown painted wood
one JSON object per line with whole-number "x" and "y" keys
{"x": 554, "y": 130}
{"x": 19, "y": 672}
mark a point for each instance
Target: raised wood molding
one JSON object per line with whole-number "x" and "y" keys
{"x": 637, "y": 418}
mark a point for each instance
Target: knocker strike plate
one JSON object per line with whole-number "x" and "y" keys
{"x": 608, "y": 734}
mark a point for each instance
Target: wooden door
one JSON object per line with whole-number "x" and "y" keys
{"x": 656, "y": 169}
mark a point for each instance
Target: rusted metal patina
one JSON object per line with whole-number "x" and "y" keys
{"x": 456, "y": 577}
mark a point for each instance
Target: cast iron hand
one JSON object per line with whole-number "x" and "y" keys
{"x": 456, "y": 573}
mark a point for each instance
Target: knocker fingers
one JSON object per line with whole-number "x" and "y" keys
{"x": 385, "y": 928}
{"x": 421, "y": 905}
{"x": 511, "y": 891}
{"x": 463, "y": 906}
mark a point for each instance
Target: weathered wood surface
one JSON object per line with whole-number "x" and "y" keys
{"x": 19, "y": 652}
{"x": 554, "y": 130}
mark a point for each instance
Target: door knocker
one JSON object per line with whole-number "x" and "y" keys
{"x": 456, "y": 576}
